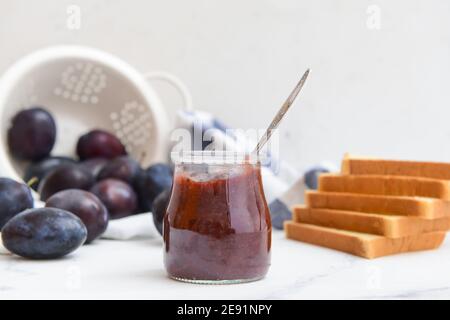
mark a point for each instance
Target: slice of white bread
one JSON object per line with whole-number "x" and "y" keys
{"x": 359, "y": 165}
{"x": 361, "y": 244}
{"x": 386, "y": 185}
{"x": 391, "y": 205}
{"x": 378, "y": 224}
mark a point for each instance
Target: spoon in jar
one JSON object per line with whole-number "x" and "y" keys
{"x": 280, "y": 114}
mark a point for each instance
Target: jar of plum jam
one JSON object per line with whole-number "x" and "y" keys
{"x": 217, "y": 226}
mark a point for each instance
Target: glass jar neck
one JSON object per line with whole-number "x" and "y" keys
{"x": 215, "y": 158}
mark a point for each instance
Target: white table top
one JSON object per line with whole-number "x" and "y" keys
{"x": 134, "y": 270}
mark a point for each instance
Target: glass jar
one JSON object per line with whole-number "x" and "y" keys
{"x": 217, "y": 227}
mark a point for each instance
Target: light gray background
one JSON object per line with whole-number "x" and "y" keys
{"x": 380, "y": 92}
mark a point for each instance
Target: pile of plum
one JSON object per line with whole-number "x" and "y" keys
{"x": 80, "y": 195}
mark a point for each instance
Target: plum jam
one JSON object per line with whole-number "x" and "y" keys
{"x": 217, "y": 226}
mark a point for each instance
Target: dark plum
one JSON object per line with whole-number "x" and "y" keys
{"x": 84, "y": 205}
{"x": 99, "y": 144}
{"x": 123, "y": 168}
{"x": 152, "y": 182}
{"x": 32, "y": 134}
{"x": 159, "y": 209}
{"x": 279, "y": 213}
{"x": 38, "y": 170}
{"x": 118, "y": 197}
{"x": 44, "y": 233}
{"x": 94, "y": 165}
{"x": 65, "y": 177}
{"x": 311, "y": 176}
{"x": 14, "y": 198}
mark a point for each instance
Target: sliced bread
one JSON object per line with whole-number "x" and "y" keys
{"x": 361, "y": 244}
{"x": 359, "y": 165}
{"x": 391, "y": 205}
{"x": 379, "y": 224}
{"x": 386, "y": 185}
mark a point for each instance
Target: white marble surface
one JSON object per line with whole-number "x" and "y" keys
{"x": 134, "y": 270}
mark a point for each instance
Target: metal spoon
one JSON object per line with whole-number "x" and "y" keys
{"x": 280, "y": 114}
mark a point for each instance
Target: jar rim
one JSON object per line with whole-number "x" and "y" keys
{"x": 216, "y": 157}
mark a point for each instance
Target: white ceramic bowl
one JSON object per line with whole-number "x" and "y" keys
{"x": 86, "y": 88}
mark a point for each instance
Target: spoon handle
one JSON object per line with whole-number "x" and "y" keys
{"x": 280, "y": 114}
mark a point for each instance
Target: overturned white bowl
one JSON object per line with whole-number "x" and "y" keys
{"x": 86, "y": 88}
